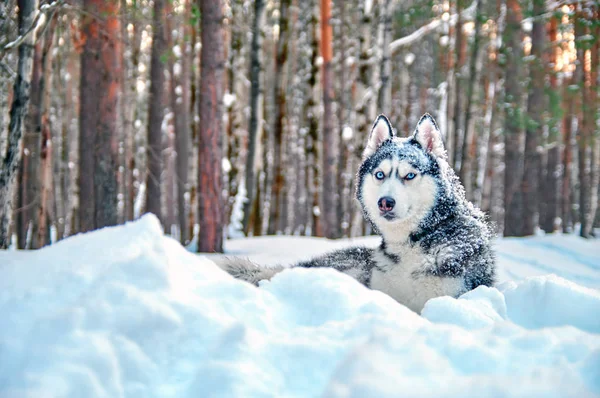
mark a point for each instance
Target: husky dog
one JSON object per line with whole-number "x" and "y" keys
{"x": 434, "y": 242}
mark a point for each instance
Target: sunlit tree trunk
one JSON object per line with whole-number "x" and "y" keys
{"x": 100, "y": 88}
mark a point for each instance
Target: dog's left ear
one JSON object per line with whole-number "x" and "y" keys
{"x": 381, "y": 131}
{"x": 429, "y": 136}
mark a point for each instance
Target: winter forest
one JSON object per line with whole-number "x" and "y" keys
{"x": 229, "y": 118}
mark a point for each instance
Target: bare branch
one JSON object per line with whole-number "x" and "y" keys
{"x": 467, "y": 15}
{"x": 39, "y": 23}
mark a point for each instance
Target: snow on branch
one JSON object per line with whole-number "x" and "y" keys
{"x": 39, "y": 23}
{"x": 467, "y": 15}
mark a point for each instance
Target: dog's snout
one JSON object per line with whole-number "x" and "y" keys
{"x": 386, "y": 203}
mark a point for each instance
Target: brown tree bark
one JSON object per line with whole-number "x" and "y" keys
{"x": 210, "y": 201}
{"x": 28, "y": 187}
{"x": 156, "y": 110}
{"x": 40, "y": 236}
{"x": 534, "y": 122}
{"x": 330, "y": 133}
{"x": 255, "y": 122}
{"x": 513, "y": 159}
{"x": 279, "y": 92}
{"x": 98, "y": 121}
{"x": 12, "y": 157}
{"x": 314, "y": 151}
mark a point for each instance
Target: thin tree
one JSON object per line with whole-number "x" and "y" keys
{"x": 513, "y": 158}
{"x": 180, "y": 102}
{"x": 210, "y": 201}
{"x": 592, "y": 215}
{"x": 156, "y": 110}
{"x": 459, "y": 49}
{"x": 384, "y": 100}
{"x": 466, "y": 165}
{"x": 549, "y": 191}
{"x": 29, "y": 181}
{"x": 12, "y": 157}
{"x": 314, "y": 152}
{"x": 330, "y": 133}
{"x": 586, "y": 137}
{"x": 534, "y": 122}
{"x": 279, "y": 92}
{"x": 254, "y": 124}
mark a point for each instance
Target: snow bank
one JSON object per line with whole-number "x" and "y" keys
{"x": 127, "y": 312}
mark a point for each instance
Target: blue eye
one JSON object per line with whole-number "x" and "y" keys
{"x": 410, "y": 176}
{"x": 379, "y": 175}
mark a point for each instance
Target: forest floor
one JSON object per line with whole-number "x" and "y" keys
{"x": 126, "y": 311}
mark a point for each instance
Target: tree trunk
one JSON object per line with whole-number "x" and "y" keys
{"x": 346, "y": 114}
{"x": 98, "y": 122}
{"x": 365, "y": 109}
{"x": 384, "y": 100}
{"x": 131, "y": 73}
{"x": 156, "y": 110}
{"x": 567, "y": 158}
{"x": 255, "y": 122}
{"x": 210, "y": 201}
{"x": 595, "y": 131}
{"x": 534, "y": 124}
{"x": 549, "y": 192}
{"x": 458, "y": 129}
{"x": 513, "y": 159}
{"x": 29, "y": 181}
{"x": 18, "y": 110}
{"x": 586, "y": 139}
{"x": 314, "y": 151}
{"x": 466, "y": 164}
{"x": 180, "y": 105}
{"x": 40, "y": 236}
{"x": 279, "y": 93}
{"x": 330, "y": 133}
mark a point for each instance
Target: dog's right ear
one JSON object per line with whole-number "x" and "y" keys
{"x": 429, "y": 136}
{"x": 381, "y": 131}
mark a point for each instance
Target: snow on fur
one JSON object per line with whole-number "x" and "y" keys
{"x": 127, "y": 312}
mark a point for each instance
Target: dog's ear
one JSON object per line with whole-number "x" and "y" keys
{"x": 381, "y": 131}
{"x": 429, "y": 136}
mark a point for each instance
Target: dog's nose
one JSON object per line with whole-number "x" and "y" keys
{"x": 386, "y": 203}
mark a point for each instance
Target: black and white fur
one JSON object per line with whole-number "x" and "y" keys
{"x": 434, "y": 242}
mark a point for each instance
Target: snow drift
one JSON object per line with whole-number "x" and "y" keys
{"x": 127, "y": 312}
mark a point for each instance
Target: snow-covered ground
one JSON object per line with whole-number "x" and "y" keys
{"x": 128, "y": 312}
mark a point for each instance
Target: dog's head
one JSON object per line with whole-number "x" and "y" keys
{"x": 399, "y": 179}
